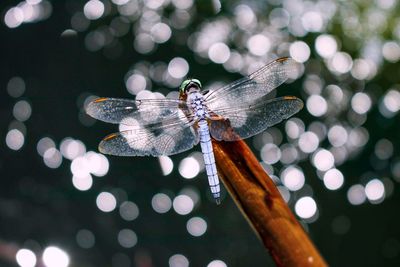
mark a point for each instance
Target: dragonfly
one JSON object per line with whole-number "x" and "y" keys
{"x": 163, "y": 126}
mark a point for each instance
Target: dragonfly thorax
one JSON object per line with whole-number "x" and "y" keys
{"x": 195, "y": 102}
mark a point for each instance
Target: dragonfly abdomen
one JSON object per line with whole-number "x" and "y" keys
{"x": 209, "y": 160}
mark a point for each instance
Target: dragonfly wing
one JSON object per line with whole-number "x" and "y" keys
{"x": 247, "y": 120}
{"x": 134, "y": 112}
{"x": 252, "y": 87}
{"x": 158, "y": 139}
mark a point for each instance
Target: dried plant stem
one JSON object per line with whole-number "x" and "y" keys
{"x": 261, "y": 203}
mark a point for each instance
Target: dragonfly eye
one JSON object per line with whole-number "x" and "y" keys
{"x": 197, "y": 82}
{"x": 183, "y": 85}
{"x": 188, "y": 84}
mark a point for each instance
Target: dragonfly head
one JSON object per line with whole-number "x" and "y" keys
{"x": 189, "y": 85}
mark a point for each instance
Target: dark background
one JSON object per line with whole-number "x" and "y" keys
{"x": 39, "y": 206}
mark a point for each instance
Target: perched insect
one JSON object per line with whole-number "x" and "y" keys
{"x": 156, "y": 127}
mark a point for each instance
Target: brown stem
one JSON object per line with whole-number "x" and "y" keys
{"x": 262, "y": 205}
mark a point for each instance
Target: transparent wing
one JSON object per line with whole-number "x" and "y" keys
{"x": 166, "y": 137}
{"x": 134, "y": 112}
{"x": 252, "y": 87}
{"x": 247, "y": 120}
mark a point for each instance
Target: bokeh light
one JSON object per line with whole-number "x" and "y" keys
{"x": 340, "y": 63}
{"x": 333, "y": 179}
{"x": 361, "y": 103}
{"x": 128, "y": 210}
{"x": 390, "y": 104}
{"x": 189, "y": 167}
{"x": 219, "y": 53}
{"x": 305, "y": 207}
{"x": 293, "y": 178}
{"x": 356, "y": 194}
{"x": 342, "y": 144}
{"x": 375, "y": 191}
{"x": 196, "y": 226}
{"x": 183, "y": 204}
{"x": 27, "y": 12}
{"x": 308, "y": 142}
{"x": 71, "y": 149}
{"x": 270, "y": 153}
{"x": 323, "y": 159}
{"x": 26, "y": 258}
{"x": 85, "y": 238}
{"x": 16, "y": 87}
{"x": 178, "y": 67}
{"x": 167, "y": 165}
{"x": 82, "y": 183}
{"x": 44, "y": 144}
{"x": 337, "y": 135}
{"x": 258, "y": 44}
{"x": 136, "y": 83}
{"x": 22, "y": 110}
{"x": 217, "y": 263}
{"x": 300, "y": 51}
{"x": 127, "y": 238}
{"x": 15, "y": 139}
{"x": 178, "y": 260}
{"x": 316, "y": 105}
{"x": 161, "y": 32}
{"x": 106, "y": 202}
{"x": 93, "y": 9}
{"x": 161, "y": 203}
{"x": 55, "y": 257}
{"x": 326, "y": 45}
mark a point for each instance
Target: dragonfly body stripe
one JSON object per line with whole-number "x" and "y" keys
{"x": 209, "y": 160}
{"x": 196, "y": 102}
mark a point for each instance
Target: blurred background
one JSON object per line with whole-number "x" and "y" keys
{"x": 336, "y": 163}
